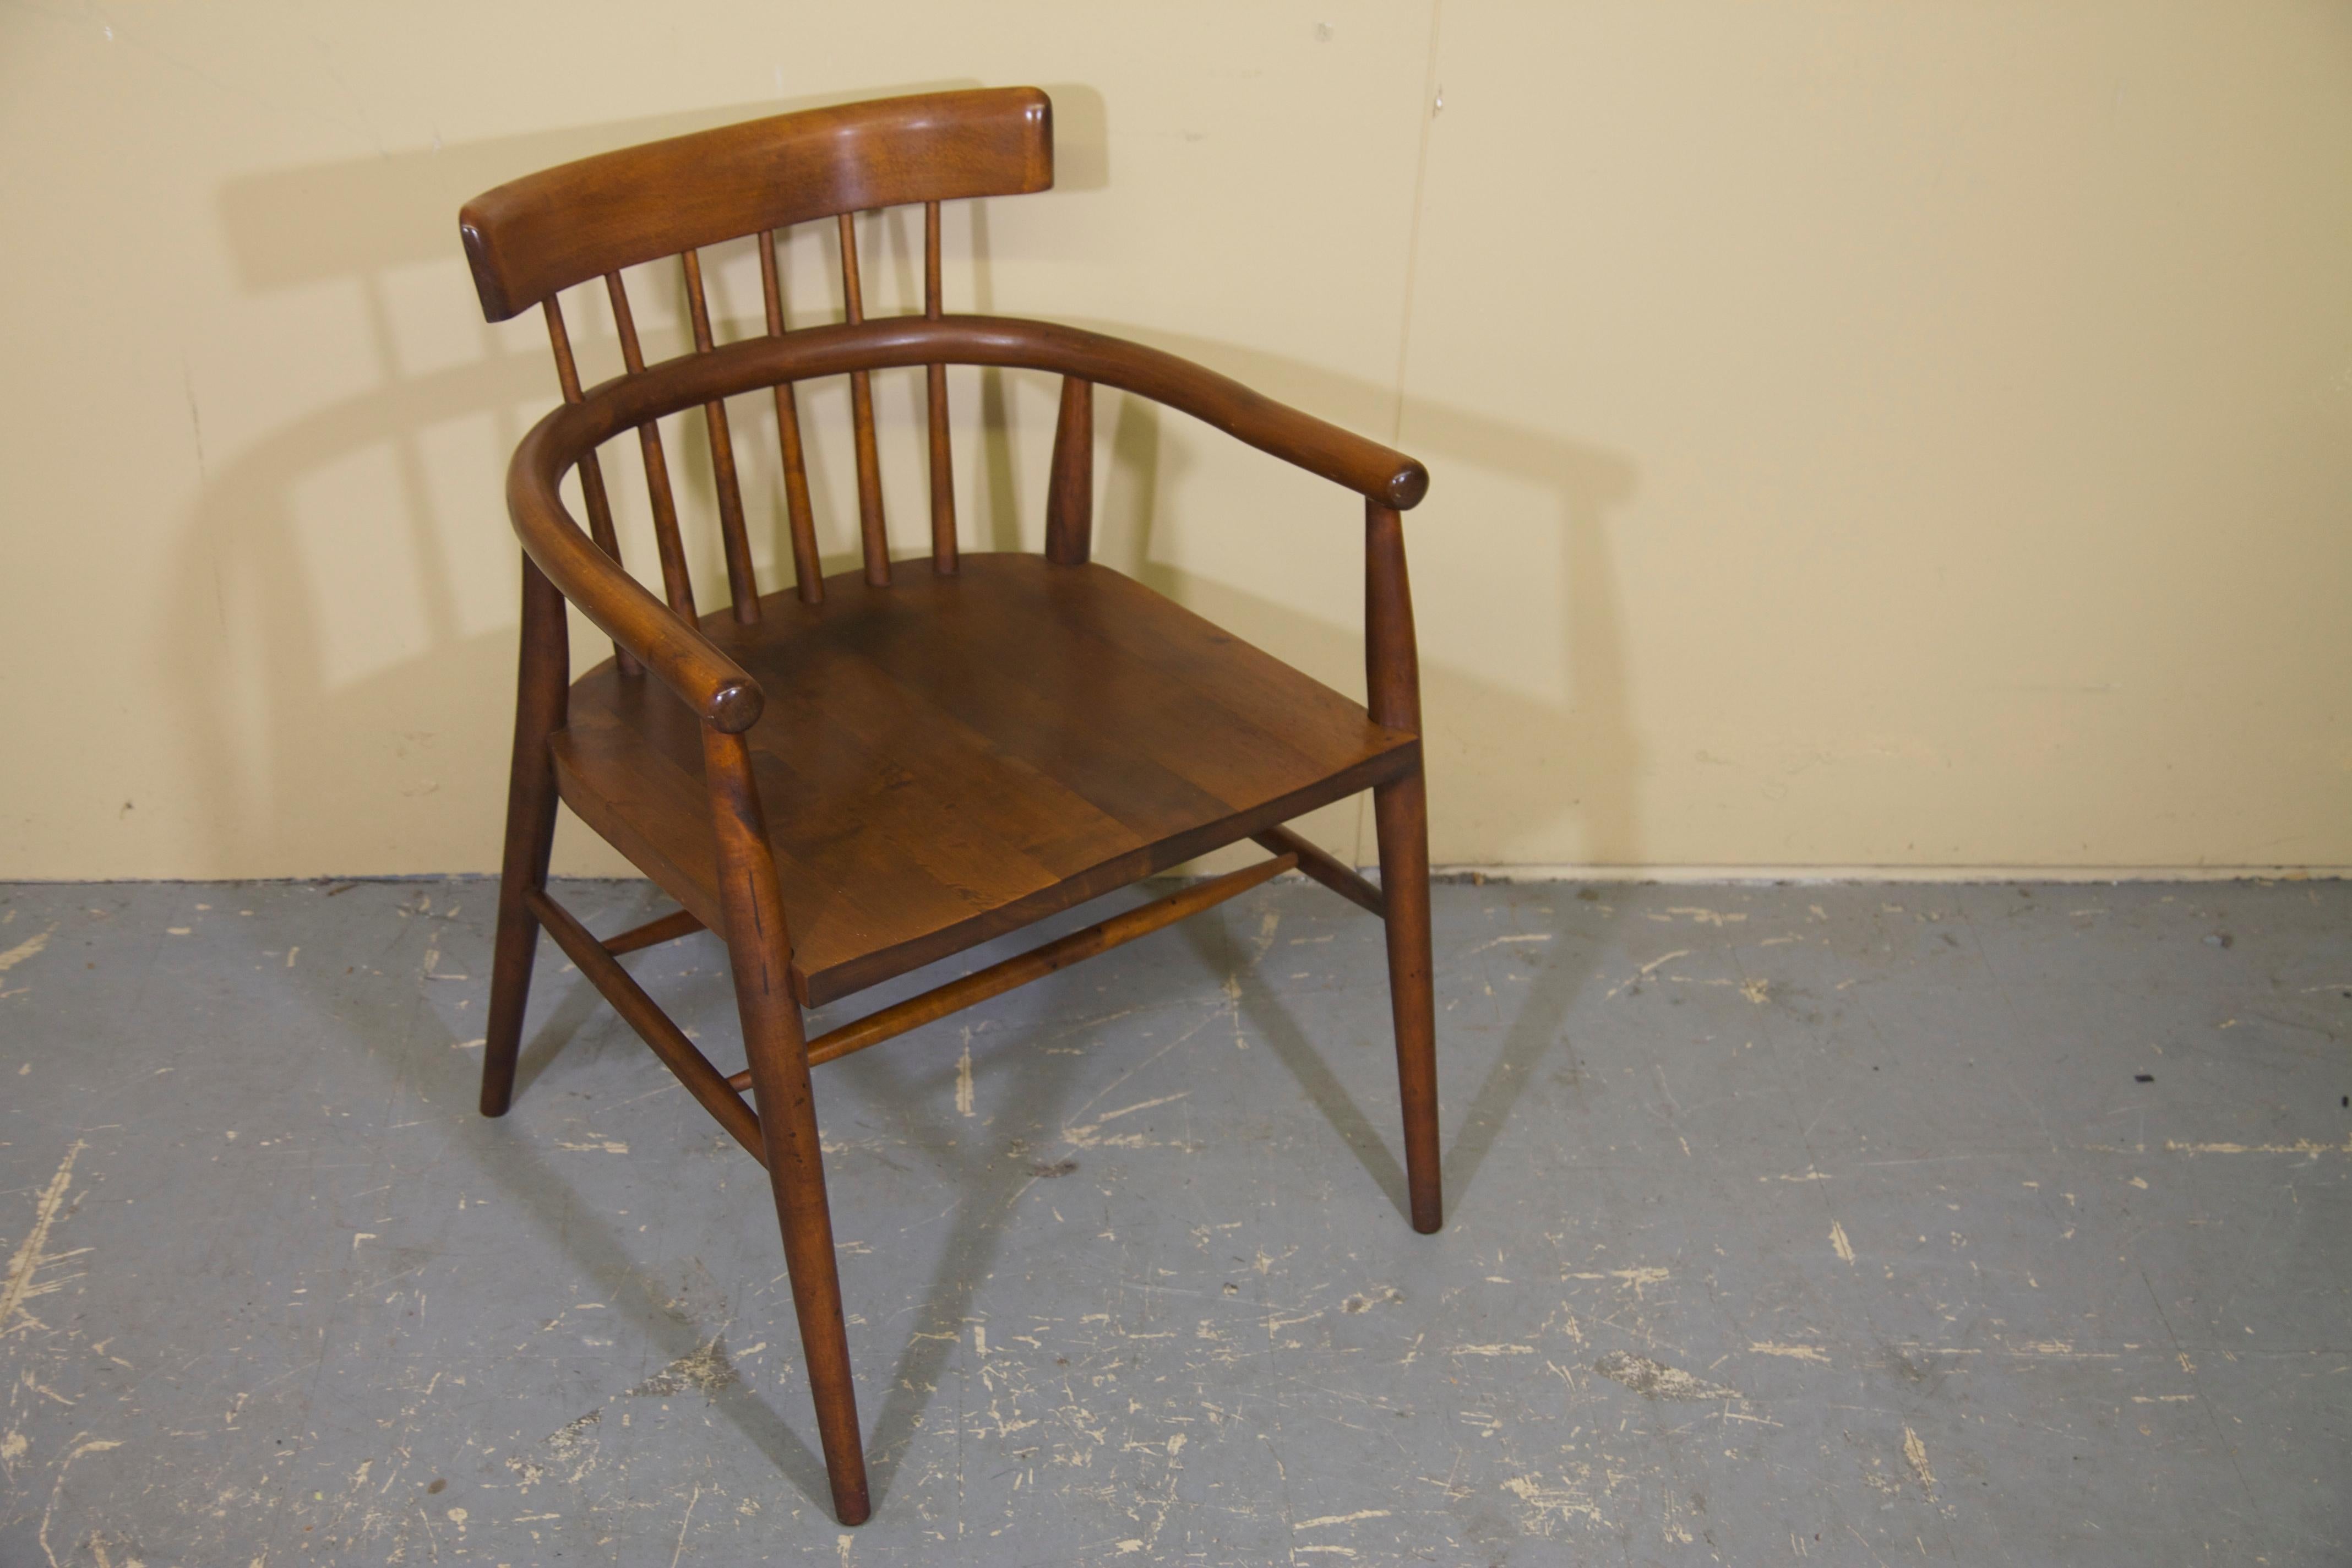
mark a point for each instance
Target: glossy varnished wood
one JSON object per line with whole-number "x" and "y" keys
{"x": 1070, "y": 487}
{"x": 620, "y": 988}
{"x": 1325, "y": 868}
{"x": 591, "y": 467}
{"x": 678, "y": 584}
{"x": 541, "y": 694}
{"x": 759, "y": 951}
{"x": 800, "y": 517}
{"x": 872, "y": 534}
{"x": 935, "y": 391}
{"x": 713, "y": 685}
{"x": 543, "y": 232}
{"x": 743, "y": 584}
{"x": 1401, "y": 818}
{"x": 870, "y": 772}
{"x": 652, "y": 933}
{"x": 950, "y": 758}
{"x": 969, "y": 990}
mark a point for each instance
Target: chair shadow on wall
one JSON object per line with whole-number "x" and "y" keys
{"x": 241, "y": 575}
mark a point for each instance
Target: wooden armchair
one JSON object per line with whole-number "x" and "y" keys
{"x": 880, "y": 769}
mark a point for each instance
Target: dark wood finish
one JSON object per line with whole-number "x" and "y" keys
{"x": 890, "y": 1023}
{"x": 743, "y": 583}
{"x": 652, "y": 933}
{"x": 591, "y": 468}
{"x": 677, "y": 585}
{"x": 541, "y": 698}
{"x": 1339, "y": 879}
{"x": 951, "y": 757}
{"x": 1070, "y": 492}
{"x": 711, "y": 684}
{"x": 872, "y": 536}
{"x": 861, "y": 776}
{"x": 759, "y": 947}
{"x": 935, "y": 388}
{"x": 1401, "y": 818}
{"x": 808, "y": 575}
{"x": 547, "y": 231}
{"x": 620, "y": 988}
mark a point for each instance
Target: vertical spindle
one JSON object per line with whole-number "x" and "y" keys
{"x": 935, "y": 377}
{"x": 1070, "y": 498}
{"x": 677, "y": 585}
{"x": 743, "y": 582}
{"x": 807, "y": 570}
{"x": 591, "y": 470}
{"x": 861, "y": 409}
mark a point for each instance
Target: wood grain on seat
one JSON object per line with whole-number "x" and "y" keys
{"x": 950, "y": 758}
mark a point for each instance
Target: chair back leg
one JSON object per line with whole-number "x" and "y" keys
{"x": 541, "y": 689}
{"x": 759, "y": 949}
{"x": 1400, "y": 818}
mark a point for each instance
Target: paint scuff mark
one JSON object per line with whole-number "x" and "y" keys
{"x": 1915, "y": 1454}
{"x": 1648, "y": 969}
{"x": 1657, "y": 1380}
{"x": 1090, "y": 1136}
{"x": 31, "y": 1257}
{"x": 706, "y": 1370}
{"x": 1795, "y": 1353}
{"x": 1507, "y": 942}
{"x": 28, "y": 948}
{"x": 95, "y": 1446}
{"x": 1542, "y": 1499}
{"x": 1838, "y": 1243}
{"x": 964, "y": 1078}
{"x": 571, "y": 1445}
{"x": 1638, "y": 1278}
{"x": 2300, "y": 1146}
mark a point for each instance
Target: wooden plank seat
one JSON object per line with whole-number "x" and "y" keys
{"x": 881, "y": 768}
{"x": 949, "y": 759}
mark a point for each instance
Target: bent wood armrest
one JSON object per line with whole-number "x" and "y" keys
{"x": 1377, "y": 472}
{"x": 717, "y": 689}
{"x": 713, "y": 685}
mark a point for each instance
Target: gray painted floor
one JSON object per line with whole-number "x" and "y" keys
{"x": 1861, "y": 1225}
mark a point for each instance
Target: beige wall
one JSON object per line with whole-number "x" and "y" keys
{"x": 1895, "y": 435}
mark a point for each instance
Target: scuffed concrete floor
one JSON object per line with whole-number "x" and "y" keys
{"x": 1981, "y": 1225}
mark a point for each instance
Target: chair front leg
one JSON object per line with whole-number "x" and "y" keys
{"x": 759, "y": 947}
{"x": 541, "y": 693}
{"x": 1400, "y": 818}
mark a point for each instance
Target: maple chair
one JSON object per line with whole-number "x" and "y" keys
{"x": 880, "y": 769}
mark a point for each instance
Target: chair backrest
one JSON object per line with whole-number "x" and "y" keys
{"x": 529, "y": 239}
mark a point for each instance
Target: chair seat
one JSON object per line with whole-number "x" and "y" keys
{"x": 947, "y": 759}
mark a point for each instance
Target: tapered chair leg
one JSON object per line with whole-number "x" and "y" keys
{"x": 759, "y": 948}
{"x": 539, "y": 693}
{"x": 1401, "y": 816}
